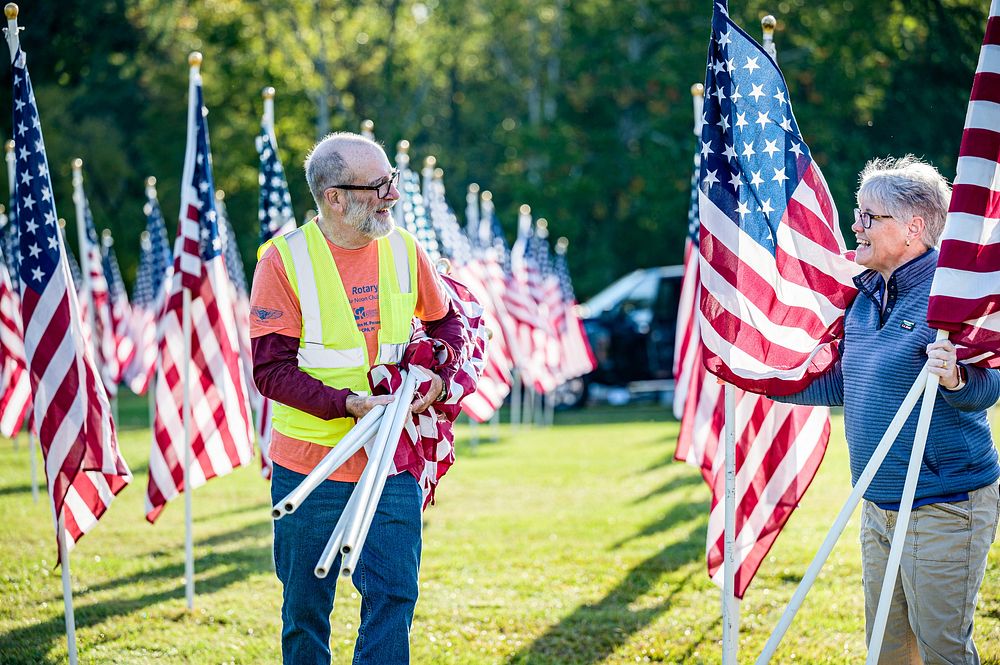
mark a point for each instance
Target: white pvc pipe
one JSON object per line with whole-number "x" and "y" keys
{"x": 903, "y": 517}
{"x": 352, "y": 548}
{"x": 332, "y": 548}
{"x": 864, "y": 480}
{"x": 515, "y": 400}
{"x": 366, "y": 484}
{"x": 67, "y": 593}
{"x": 188, "y": 509}
{"x": 730, "y": 604}
{"x": 352, "y": 442}
{"x": 33, "y": 453}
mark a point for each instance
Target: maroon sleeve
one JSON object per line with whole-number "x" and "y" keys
{"x": 278, "y": 377}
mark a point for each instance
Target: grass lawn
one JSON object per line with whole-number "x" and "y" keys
{"x": 581, "y": 543}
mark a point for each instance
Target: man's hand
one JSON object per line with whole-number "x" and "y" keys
{"x": 420, "y": 405}
{"x": 357, "y": 406}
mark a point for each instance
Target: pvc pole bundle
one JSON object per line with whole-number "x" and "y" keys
{"x": 379, "y": 431}
{"x": 352, "y": 442}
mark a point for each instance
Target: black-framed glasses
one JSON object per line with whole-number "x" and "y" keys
{"x": 866, "y": 218}
{"x": 381, "y": 189}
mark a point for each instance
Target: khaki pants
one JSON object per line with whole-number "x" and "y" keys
{"x": 944, "y": 560}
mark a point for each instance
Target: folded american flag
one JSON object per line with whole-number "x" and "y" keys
{"x": 426, "y": 447}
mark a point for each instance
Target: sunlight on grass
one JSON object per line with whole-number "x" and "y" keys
{"x": 583, "y": 543}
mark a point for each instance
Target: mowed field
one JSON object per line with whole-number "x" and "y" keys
{"x": 580, "y": 543}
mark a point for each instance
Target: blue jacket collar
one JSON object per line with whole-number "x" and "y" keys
{"x": 905, "y": 277}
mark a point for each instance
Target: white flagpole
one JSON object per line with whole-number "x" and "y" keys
{"x": 81, "y": 235}
{"x": 368, "y": 129}
{"x": 151, "y": 388}
{"x": 268, "y": 119}
{"x": 730, "y": 603}
{"x": 515, "y": 399}
{"x": 67, "y": 591}
{"x": 13, "y": 43}
{"x": 33, "y": 454}
{"x": 472, "y": 215}
{"x": 905, "y": 507}
{"x": 864, "y": 480}
{"x": 194, "y": 60}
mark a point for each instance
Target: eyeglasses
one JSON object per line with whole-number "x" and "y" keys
{"x": 381, "y": 189}
{"x": 866, "y": 218}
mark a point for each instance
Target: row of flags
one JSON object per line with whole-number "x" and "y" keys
{"x": 188, "y": 319}
{"x": 767, "y": 281}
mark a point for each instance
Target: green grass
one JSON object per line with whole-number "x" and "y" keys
{"x": 583, "y": 543}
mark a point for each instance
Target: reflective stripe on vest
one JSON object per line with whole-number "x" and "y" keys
{"x": 332, "y": 348}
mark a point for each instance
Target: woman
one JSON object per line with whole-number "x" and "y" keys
{"x": 902, "y": 204}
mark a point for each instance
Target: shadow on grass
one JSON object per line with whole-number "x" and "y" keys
{"x": 21, "y": 489}
{"x": 676, "y": 483}
{"x": 678, "y": 513}
{"x": 594, "y": 631}
{"x": 28, "y": 645}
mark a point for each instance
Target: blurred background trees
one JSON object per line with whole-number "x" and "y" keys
{"x": 580, "y": 108}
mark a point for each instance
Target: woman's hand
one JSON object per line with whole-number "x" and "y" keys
{"x": 943, "y": 361}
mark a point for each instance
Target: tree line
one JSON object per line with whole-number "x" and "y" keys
{"x": 579, "y": 108}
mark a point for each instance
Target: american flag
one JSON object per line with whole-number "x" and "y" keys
{"x": 528, "y": 338}
{"x": 120, "y": 310}
{"x": 965, "y": 295}
{"x": 276, "y": 218}
{"x": 775, "y": 278}
{"x": 275, "y": 207}
{"x": 95, "y": 307}
{"x": 15, "y": 388}
{"x": 220, "y": 412}
{"x": 577, "y": 356}
{"x": 83, "y": 465}
{"x": 778, "y": 447}
{"x": 155, "y": 268}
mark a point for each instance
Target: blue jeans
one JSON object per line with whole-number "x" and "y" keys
{"x": 386, "y": 575}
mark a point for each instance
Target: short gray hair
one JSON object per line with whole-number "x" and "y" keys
{"x": 908, "y": 187}
{"x": 326, "y": 165}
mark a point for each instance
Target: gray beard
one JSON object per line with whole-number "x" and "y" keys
{"x": 362, "y": 218}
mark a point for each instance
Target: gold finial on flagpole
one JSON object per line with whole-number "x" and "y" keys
{"x": 562, "y": 244}
{"x": 268, "y": 93}
{"x": 367, "y": 125}
{"x": 10, "y": 11}
{"x": 542, "y": 227}
{"x": 698, "y": 97}
{"x": 487, "y": 195}
{"x": 151, "y": 181}
{"x": 106, "y": 238}
{"x": 403, "y": 146}
{"x": 10, "y": 145}
{"x": 195, "y": 58}
{"x": 525, "y": 209}
{"x": 473, "y": 188}
{"x": 62, "y": 223}
{"x": 77, "y": 164}
{"x": 439, "y": 173}
{"x": 767, "y": 24}
{"x": 220, "y": 195}
{"x": 443, "y": 266}
{"x": 430, "y": 161}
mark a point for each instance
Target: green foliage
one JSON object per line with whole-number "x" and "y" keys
{"x": 580, "y": 109}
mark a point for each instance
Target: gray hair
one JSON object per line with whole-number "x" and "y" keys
{"x": 908, "y": 187}
{"x": 326, "y": 164}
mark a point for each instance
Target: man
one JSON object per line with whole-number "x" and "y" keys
{"x": 329, "y": 300}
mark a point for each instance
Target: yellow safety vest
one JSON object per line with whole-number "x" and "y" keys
{"x": 331, "y": 348}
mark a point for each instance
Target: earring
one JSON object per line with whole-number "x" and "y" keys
{"x": 907, "y": 242}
